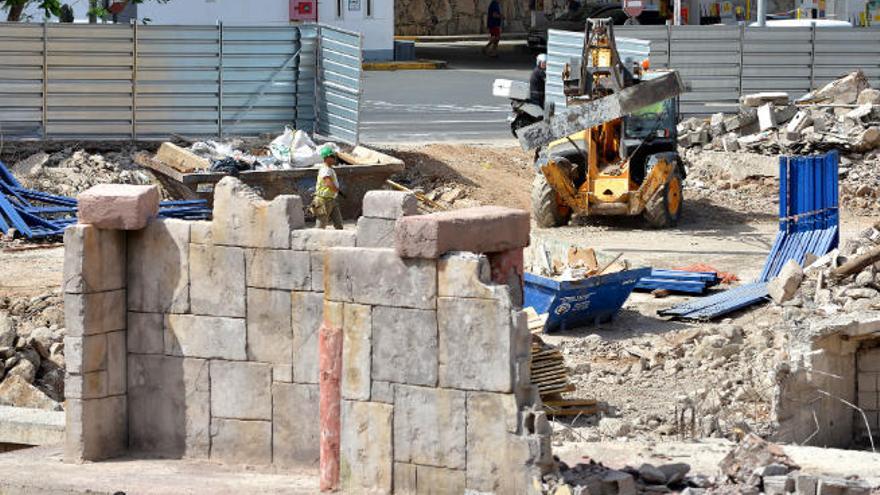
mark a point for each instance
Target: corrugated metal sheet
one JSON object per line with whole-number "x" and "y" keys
{"x": 721, "y": 63}
{"x": 62, "y": 81}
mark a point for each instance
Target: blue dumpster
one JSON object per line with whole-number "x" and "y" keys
{"x": 579, "y": 303}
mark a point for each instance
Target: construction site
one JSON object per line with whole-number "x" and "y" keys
{"x": 225, "y": 287}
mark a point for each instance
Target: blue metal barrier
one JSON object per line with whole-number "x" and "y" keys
{"x": 678, "y": 281}
{"x": 808, "y": 223}
{"x": 55, "y": 213}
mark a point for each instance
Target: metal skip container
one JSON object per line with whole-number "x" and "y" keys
{"x": 579, "y": 303}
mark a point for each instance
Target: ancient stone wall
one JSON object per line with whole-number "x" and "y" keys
{"x": 448, "y": 17}
{"x": 201, "y": 340}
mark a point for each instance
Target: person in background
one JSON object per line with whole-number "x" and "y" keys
{"x": 324, "y": 205}
{"x": 493, "y": 23}
{"x": 538, "y": 81}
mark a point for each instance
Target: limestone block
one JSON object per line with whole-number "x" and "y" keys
{"x": 389, "y": 204}
{"x": 269, "y": 330}
{"x": 217, "y": 280}
{"x": 766, "y": 117}
{"x": 295, "y": 425}
{"x": 485, "y": 229}
{"x": 200, "y": 232}
{"x": 306, "y": 311}
{"x": 91, "y": 385}
{"x": 146, "y": 334}
{"x": 320, "y": 239}
{"x": 375, "y": 232}
{"x": 95, "y": 313}
{"x": 96, "y": 429}
{"x": 758, "y": 99}
{"x": 317, "y": 262}
{"x": 365, "y": 455}
{"x": 405, "y": 345}
{"x": 85, "y": 354}
{"x": 158, "y": 267}
{"x": 279, "y": 269}
{"x": 241, "y": 442}
{"x": 405, "y": 478}
{"x": 282, "y": 373}
{"x": 356, "y": 347}
{"x": 382, "y": 392}
{"x": 429, "y": 426}
{"x": 433, "y": 480}
{"x": 117, "y": 361}
{"x": 869, "y": 360}
{"x": 118, "y": 206}
{"x": 205, "y": 337}
{"x": 786, "y": 284}
{"x": 465, "y": 275}
{"x": 333, "y": 312}
{"x": 868, "y": 382}
{"x": 378, "y": 276}
{"x": 170, "y": 406}
{"x": 243, "y": 218}
{"x": 493, "y": 452}
{"x": 94, "y": 259}
{"x": 241, "y": 390}
{"x": 476, "y": 344}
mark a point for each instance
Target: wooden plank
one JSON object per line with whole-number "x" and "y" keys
{"x": 180, "y": 159}
{"x": 572, "y": 412}
{"x": 571, "y": 402}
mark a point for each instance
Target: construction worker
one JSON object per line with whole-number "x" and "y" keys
{"x": 538, "y": 80}
{"x": 324, "y": 204}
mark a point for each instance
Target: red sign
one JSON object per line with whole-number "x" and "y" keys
{"x": 633, "y": 7}
{"x": 304, "y": 10}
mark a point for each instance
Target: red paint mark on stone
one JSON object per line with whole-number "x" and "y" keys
{"x": 507, "y": 269}
{"x": 329, "y": 380}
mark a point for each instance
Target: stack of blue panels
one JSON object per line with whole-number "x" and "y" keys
{"x": 678, "y": 281}
{"x": 38, "y": 215}
{"x": 808, "y": 224}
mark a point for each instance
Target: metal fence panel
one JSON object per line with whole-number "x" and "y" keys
{"x": 62, "y": 81}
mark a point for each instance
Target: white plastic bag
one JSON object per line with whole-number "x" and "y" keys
{"x": 280, "y": 146}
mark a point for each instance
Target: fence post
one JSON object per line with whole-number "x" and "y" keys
{"x": 813, "y": 56}
{"x": 134, "y": 79}
{"x": 220, "y": 80}
{"x": 668, "y": 46}
{"x": 45, "y": 80}
{"x": 742, "y": 57}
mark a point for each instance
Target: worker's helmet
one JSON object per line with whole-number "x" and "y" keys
{"x": 327, "y": 151}
{"x": 542, "y": 59}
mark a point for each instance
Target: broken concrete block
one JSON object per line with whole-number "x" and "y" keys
{"x": 465, "y": 275}
{"x": 241, "y": 390}
{"x": 845, "y": 90}
{"x": 96, "y": 429}
{"x": 357, "y": 342}
{"x": 786, "y": 284}
{"x": 207, "y": 337}
{"x": 404, "y": 345}
{"x": 866, "y": 140}
{"x": 860, "y": 112}
{"x": 217, "y": 280}
{"x": 170, "y": 406}
{"x": 118, "y": 206}
{"x": 729, "y": 142}
{"x": 158, "y": 267}
{"x": 820, "y": 121}
{"x": 492, "y": 446}
{"x": 365, "y": 450}
{"x": 295, "y": 425}
{"x": 869, "y": 96}
{"x": 799, "y": 122}
{"x": 429, "y": 426}
{"x": 241, "y": 442}
{"x": 96, "y": 313}
{"x": 306, "y": 311}
{"x": 279, "y": 269}
{"x": 389, "y": 204}
{"x": 766, "y": 117}
{"x": 243, "y": 218}
{"x": 375, "y": 232}
{"x": 269, "y": 327}
{"x": 778, "y": 485}
{"x": 487, "y": 229}
{"x": 94, "y": 259}
{"x": 476, "y": 344}
{"x": 16, "y": 391}
{"x": 760, "y": 99}
{"x": 379, "y": 276}
{"x": 145, "y": 333}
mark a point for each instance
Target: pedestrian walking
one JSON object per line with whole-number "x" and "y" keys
{"x": 493, "y": 23}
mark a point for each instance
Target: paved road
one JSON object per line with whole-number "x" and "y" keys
{"x": 455, "y": 104}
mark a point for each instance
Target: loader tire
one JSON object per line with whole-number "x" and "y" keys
{"x": 545, "y": 208}
{"x": 664, "y": 209}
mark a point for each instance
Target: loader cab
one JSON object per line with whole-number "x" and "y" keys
{"x": 648, "y": 131}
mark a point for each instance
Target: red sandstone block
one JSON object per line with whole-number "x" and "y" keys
{"x": 118, "y": 206}
{"x": 486, "y": 229}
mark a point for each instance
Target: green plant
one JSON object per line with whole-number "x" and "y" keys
{"x": 52, "y": 8}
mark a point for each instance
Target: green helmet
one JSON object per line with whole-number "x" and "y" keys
{"x": 327, "y": 151}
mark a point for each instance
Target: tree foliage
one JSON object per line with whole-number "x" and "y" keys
{"x": 53, "y": 8}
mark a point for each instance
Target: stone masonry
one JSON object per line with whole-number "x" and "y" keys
{"x": 447, "y": 17}
{"x": 200, "y": 340}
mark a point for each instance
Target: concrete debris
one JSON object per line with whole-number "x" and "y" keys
{"x": 751, "y": 459}
{"x": 592, "y": 477}
{"x": 785, "y": 285}
{"x": 760, "y": 99}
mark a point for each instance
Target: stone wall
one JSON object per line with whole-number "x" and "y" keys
{"x": 868, "y": 387}
{"x": 448, "y": 17}
{"x": 201, "y": 340}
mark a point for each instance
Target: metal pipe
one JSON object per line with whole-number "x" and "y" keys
{"x": 677, "y": 13}
{"x": 762, "y": 13}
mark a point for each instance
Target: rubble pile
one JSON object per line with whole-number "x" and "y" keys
{"x": 843, "y": 115}
{"x": 70, "y": 171}
{"x": 722, "y": 374}
{"x": 593, "y": 477}
{"x": 32, "y": 352}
